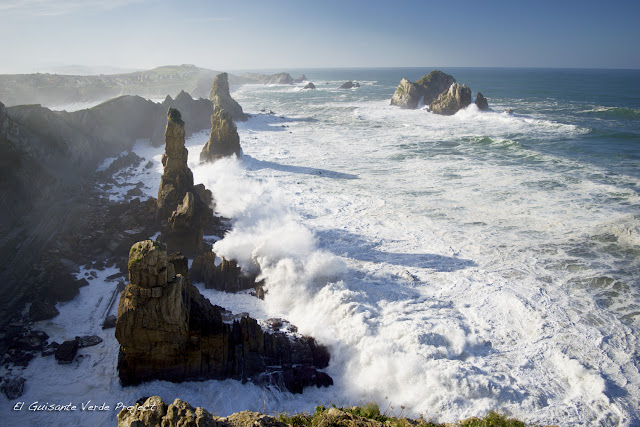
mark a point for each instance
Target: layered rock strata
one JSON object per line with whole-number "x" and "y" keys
{"x": 429, "y": 87}
{"x": 222, "y": 99}
{"x": 167, "y": 330}
{"x": 223, "y": 138}
{"x": 453, "y": 100}
{"x": 183, "y": 208}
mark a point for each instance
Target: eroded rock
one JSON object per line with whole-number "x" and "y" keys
{"x": 222, "y": 99}
{"x": 429, "y": 87}
{"x": 223, "y": 138}
{"x": 450, "y": 102}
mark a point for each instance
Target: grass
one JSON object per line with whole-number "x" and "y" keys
{"x": 369, "y": 415}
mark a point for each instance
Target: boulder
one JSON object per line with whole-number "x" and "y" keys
{"x": 429, "y": 87}
{"x": 66, "y": 352}
{"x": 222, "y": 99}
{"x": 348, "y": 85}
{"x": 481, "y": 102}
{"x": 88, "y": 341}
{"x": 171, "y": 332}
{"x": 309, "y": 85}
{"x": 223, "y": 138}
{"x": 450, "y": 102}
{"x": 13, "y": 387}
{"x": 42, "y": 310}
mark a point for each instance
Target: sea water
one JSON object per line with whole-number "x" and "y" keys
{"x": 452, "y": 265}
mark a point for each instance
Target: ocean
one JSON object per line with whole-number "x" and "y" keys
{"x": 453, "y": 265}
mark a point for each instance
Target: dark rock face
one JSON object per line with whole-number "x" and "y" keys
{"x": 42, "y": 310}
{"x": 109, "y": 322}
{"x": 408, "y": 95}
{"x": 66, "y": 352}
{"x": 226, "y": 276}
{"x": 450, "y": 102}
{"x": 167, "y": 330}
{"x": 88, "y": 341}
{"x": 481, "y": 102}
{"x": 222, "y": 99}
{"x": 195, "y": 112}
{"x": 309, "y": 85}
{"x": 181, "y": 210}
{"x": 223, "y": 139}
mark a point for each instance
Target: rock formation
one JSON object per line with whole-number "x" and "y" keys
{"x": 450, "y": 102}
{"x": 349, "y": 85}
{"x": 301, "y": 79}
{"x": 223, "y": 139}
{"x": 408, "y": 95}
{"x": 278, "y": 79}
{"x": 226, "y": 276}
{"x": 167, "y": 330}
{"x": 222, "y": 99}
{"x": 309, "y": 85}
{"x": 481, "y": 102}
{"x": 183, "y": 208}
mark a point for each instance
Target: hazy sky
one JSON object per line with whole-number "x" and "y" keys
{"x": 40, "y": 35}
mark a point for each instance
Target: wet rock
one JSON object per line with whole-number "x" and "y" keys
{"x": 13, "y": 387}
{"x": 450, "y": 102}
{"x": 481, "y": 102}
{"x": 109, "y": 322}
{"x": 50, "y": 349}
{"x": 348, "y": 85}
{"x": 66, "y": 352}
{"x": 88, "y": 341}
{"x": 42, "y": 310}
{"x": 309, "y": 85}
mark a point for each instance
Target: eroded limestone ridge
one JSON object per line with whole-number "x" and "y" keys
{"x": 222, "y": 99}
{"x": 223, "y": 139}
{"x": 168, "y": 331}
{"x": 183, "y": 208}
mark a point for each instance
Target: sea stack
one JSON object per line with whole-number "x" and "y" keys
{"x": 408, "y": 95}
{"x": 168, "y": 331}
{"x": 481, "y": 102}
{"x": 222, "y": 98}
{"x": 223, "y": 139}
{"x": 450, "y": 102}
{"x": 183, "y": 208}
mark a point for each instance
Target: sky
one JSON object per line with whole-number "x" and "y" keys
{"x": 119, "y": 35}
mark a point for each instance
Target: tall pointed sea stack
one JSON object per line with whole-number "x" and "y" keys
{"x": 223, "y": 139}
{"x": 183, "y": 208}
{"x": 168, "y": 331}
{"x": 222, "y": 98}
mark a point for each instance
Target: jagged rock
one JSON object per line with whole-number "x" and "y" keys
{"x": 301, "y": 79}
{"x": 481, "y": 102}
{"x": 50, "y": 349}
{"x": 66, "y": 352}
{"x": 226, "y": 276}
{"x": 429, "y": 87}
{"x": 348, "y": 85}
{"x": 222, "y": 99}
{"x": 180, "y": 264}
{"x": 181, "y": 209}
{"x": 13, "y": 387}
{"x": 309, "y": 85}
{"x": 42, "y": 310}
{"x": 88, "y": 341}
{"x": 148, "y": 264}
{"x": 195, "y": 112}
{"x": 30, "y": 341}
{"x": 450, "y": 102}
{"x": 171, "y": 332}
{"x": 223, "y": 139}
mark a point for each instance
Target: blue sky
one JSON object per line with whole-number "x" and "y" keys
{"x": 279, "y": 34}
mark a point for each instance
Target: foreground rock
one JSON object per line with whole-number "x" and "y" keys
{"x": 223, "y": 139}
{"x": 309, "y": 85}
{"x": 167, "y": 330}
{"x": 429, "y": 87}
{"x": 222, "y": 99}
{"x": 183, "y": 208}
{"x": 450, "y": 102}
